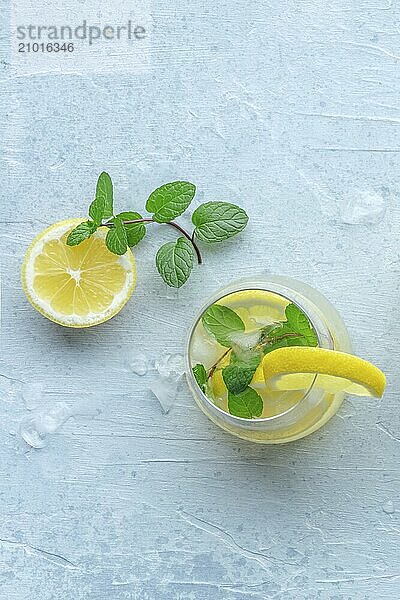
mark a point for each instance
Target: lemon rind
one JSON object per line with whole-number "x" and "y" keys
{"x": 325, "y": 362}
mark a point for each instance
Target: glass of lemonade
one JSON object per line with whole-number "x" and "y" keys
{"x": 260, "y": 303}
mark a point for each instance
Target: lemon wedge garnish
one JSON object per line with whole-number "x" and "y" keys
{"x": 76, "y": 286}
{"x": 298, "y": 367}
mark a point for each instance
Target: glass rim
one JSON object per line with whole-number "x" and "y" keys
{"x": 245, "y": 285}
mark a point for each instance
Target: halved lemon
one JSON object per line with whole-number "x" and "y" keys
{"x": 298, "y": 367}
{"x": 76, "y": 286}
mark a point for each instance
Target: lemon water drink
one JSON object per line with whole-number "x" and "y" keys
{"x": 227, "y": 358}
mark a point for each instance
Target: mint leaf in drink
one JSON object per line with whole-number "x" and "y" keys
{"x": 239, "y": 373}
{"x": 116, "y": 239}
{"x": 174, "y": 262}
{"x": 300, "y": 323}
{"x": 81, "y": 232}
{"x": 218, "y": 221}
{"x": 200, "y": 375}
{"x": 296, "y": 340}
{"x": 296, "y": 331}
{"x": 135, "y": 232}
{"x": 247, "y": 405}
{"x": 170, "y": 200}
{"x": 221, "y": 321}
{"x": 287, "y": 329}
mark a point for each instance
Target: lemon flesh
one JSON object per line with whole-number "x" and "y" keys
{"x": 299, "y": 367}
{"x": 76, "y": 286}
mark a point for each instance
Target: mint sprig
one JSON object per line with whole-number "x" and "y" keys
{"x": 227, "y": 328}
{"x": 214, "y": 221}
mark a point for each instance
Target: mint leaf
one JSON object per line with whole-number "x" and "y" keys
{"x": 116, "y": 239}
{"x": 102, "y": 206}
{"x": 284, "y": 343}
{"x": 221, "y": 321}
{"x": 238, "y": 375}
{"x": 218, "y": 221}
{"x": 170, "y": 200}
{"x": 247, "y": 405}
{"x": 96, "y": 210}
{"x": 200, "y": 375}
{"x": 134, "y": 231}
{"x": 104, "y": 193}
{"x": 81, "y": 232}
{"x": 300, "y": 324}
{"x": 174, "y": 262}
{"x": 296, "y": 331}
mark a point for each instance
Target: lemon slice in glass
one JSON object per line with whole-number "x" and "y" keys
{"x": 299, "y": 367}
{"x": 76, "y": 286}
{"x": 217, "y": 384}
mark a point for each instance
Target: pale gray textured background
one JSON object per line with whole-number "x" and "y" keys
{"x": 285, "y": 108}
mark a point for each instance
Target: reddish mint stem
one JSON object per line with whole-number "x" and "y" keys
{"x": 172, "y": 224}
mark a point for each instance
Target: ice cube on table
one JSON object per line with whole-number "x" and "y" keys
{"x": 388, "y": 507}
{"x": 30, "y": 433}
{"x": 362, "y": 207}
{"x": 137, "y": 362}
{"x": 171, "y": 366}
{"x": 51, "y": 419}
{"x": 35, "y": 427}
{"x": 32, "y": 393}
{"x": 165, "y": 390}
{"x": 166, "y": 375}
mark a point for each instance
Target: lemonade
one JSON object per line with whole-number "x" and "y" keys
{"x": 267, "y": 311}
